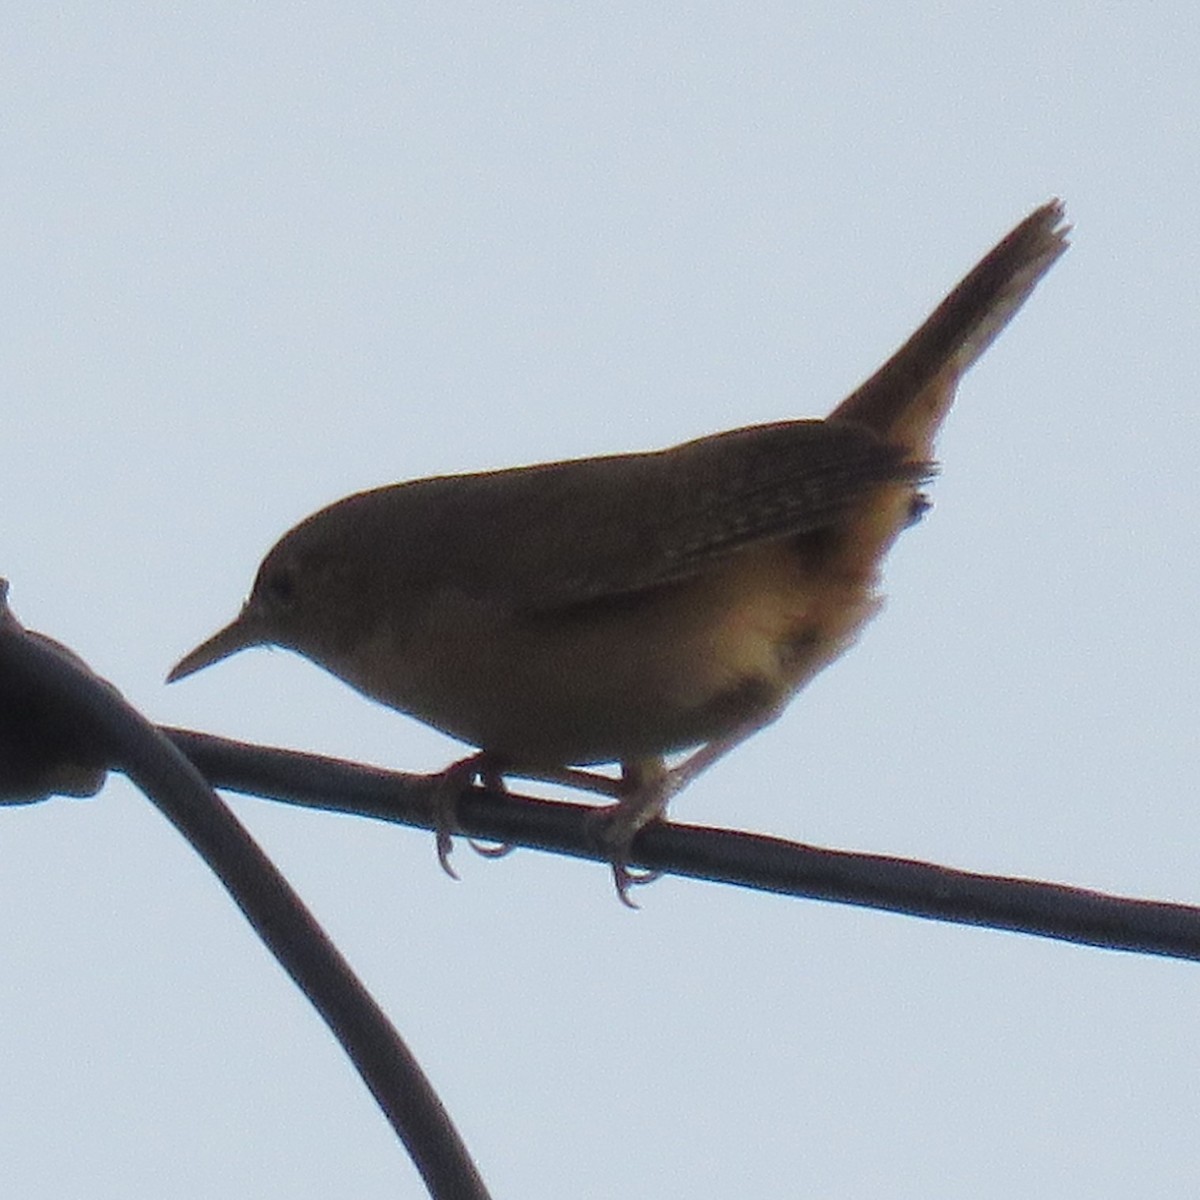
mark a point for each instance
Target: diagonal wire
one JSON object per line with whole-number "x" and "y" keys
{"x": 48, "y": 689}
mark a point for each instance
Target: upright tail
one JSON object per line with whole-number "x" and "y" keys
{"x": 905, "y": 400}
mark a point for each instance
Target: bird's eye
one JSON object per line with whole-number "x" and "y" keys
{"x": 279, "y": 587}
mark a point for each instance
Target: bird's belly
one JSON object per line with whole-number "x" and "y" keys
{"x": 625, "y": 679}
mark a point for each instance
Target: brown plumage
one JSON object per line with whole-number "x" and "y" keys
{"x": 623, "y": 608}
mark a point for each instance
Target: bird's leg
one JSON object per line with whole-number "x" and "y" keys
{"x": 647, "y": 788}
{"x": 645, "y": 792}
{"x": 683, "y": 773}
{"x": 642, "y": 794}
{"x": 490, "y": 771}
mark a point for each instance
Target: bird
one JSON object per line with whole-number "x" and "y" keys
{"x": 631, "y": 608}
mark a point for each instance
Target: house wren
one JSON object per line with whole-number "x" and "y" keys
{"x": 623, "y": 608}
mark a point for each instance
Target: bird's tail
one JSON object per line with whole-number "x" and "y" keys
{"x": 906, "y": 399}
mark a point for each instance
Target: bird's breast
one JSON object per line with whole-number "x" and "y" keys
{"x": 615, "y": 680}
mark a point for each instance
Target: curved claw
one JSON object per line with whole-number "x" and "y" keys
{"x": 626, "y": 877}
{"x": 496, "y": 850}
{"x": 445, "y": 846}
{"x": 447, "y": 786}
{"x": 614, "y": 827}
{"x": 492, "y": 778}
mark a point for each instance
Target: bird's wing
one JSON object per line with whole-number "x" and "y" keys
{"x": 572, "y": 533}
{"x": 549, "y": 537}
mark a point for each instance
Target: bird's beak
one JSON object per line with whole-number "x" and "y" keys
{"x": 244, "y": 630}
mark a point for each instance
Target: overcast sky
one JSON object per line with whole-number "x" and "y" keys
{"x": 258, "y": 257}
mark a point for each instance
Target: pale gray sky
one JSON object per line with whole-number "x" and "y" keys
{"x": 256, "y": 258}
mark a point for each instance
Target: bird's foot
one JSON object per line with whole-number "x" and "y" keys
{"x": 447, "y": 788}
{"x": 646, "y": 787}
